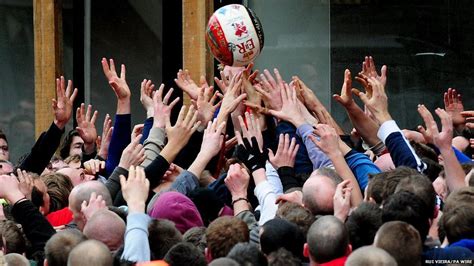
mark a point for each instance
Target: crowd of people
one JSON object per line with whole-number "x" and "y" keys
{"x": 254, "y": 171}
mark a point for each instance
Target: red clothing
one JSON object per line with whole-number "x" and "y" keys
{"x": 337, "y": 262}
{"x": 61, "y": 217}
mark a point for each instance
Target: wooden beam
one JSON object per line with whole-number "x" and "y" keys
{"x": 196, "y": 55}
{"x": 48, "y": 58}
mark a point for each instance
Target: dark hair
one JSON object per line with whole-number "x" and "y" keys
{"x": 463, "y": 195}
{"x": 162, "y": 235}
{"x": 407, "y": 207}
{"x": 282, "y": 257}
{"x": 278, "y": 233}
{"x": 197, "y": 237}
{"x": 458, "y": 223}
{"x": 185, "y": 254}
{"x": 393, "y": 177}
{"x": 422, "y": 187}
{"x": 402, "y": 241}
{"x": 375, "y": 187}
{"x": 296, "y": 214}
{"x": 223, "y": 233}
{"x": 327, "y": 239}
{"x": 363, "y": 224}
{"x": 3, "y": 136}
{"x": 247, "y": 254}
{"x": 14, "y": 238}
{"x": 207, "y": 203}
{"x": 59, "y": 246}
{"x": 66, "y": 145}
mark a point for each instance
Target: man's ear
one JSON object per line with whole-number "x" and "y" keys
{"x": 208, "y": 255}
{"x": 306, "y": 250}
{"x": 349, "y": 250}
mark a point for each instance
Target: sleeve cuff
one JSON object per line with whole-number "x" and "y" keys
{"x": 304, "y": 130}
{"x": 386, "y": 129}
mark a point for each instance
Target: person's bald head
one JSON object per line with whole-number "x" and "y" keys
{"x": 319, "y": 190}
{"x": 327, "y": 240}
{"x": 91, "y": 253}
{"x": 82, "y": 193}
{"x": 370, "y": 256}
{"x": 59, "y": 246}
{"x": 107, "y": 227}
{"x": 15, "y": 259}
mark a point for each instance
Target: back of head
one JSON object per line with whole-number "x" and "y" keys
{"x": 327, "y": 239}
{"x": 296, "y": 214}
{"x": 370, "y": 256}
{"x": 162, "y": 235}
{"x": 422, "y": 187}
{"x": 223, "y": 234}
{"x": 59, "y": 246}
{"x": 82, "y": 192}
{"x": 91, "y": 253}
{"x": 407, "y": 207}
{"x": 106, "y": 227}
{"x": 278, "y": 233}
{"x": 59, "y": 187}
{"x": 283, "y": 257}
{"x": 197, "y": 237}
{"x": 208, "y": 204}
{"x": 185, "y": 254}
{"x": 15, "y": 242}
{"x": 363, "y": 224}
{"x": 15, "y": 259}
{"x": 402, "y": 241}
{"x": 461, "y": 196}
{"x": 224, "y": 262}
{"x": 247, "y": 254}
{"x": 391, "y": 179}
{"x": 177, "y": 208}
{"x": 318, "y": 192}
{"x": 458, "y": 223}
{"x": 374, "y": 189}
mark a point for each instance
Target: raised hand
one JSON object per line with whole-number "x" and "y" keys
{"x": 233, "y": 97}
{"x": 104, "y": 141}
{"x": 443, "y": 139}
{"x": 290, "y": 108}
{"x": 26, "y": 183}
{"x": 271, "y": 89}
{"x": 118, "y": 83}
{"x": 378, "y": 102}
{"x": 342, "y": 200}
{"x": 86, "y": 127}
{"x": 183, "y": 129}
{"x": 93, "y": 166}
{"x": 95, "y": 204}
{"x": 137, "y": 130}
{"x": 10, "y": 189}
{"x": 295, "y": 197}
{"x": 329, "y": 140}
{"x": 469, "y": 115}
{"x": 62, "y": 105}
{"x": 187, "y": 84}
{"x": 146, "y": 96}
{"x": 369, "y": 70}
{"x": 133, "y": 154}
{"x": 237, "y": 181}
{"x": 250, "y": 148}
{"x": 345, "y": 99}
{"x": 213, "y": 138}
{"x": 135, "y": 189}
{"x": 427, "y": 117}
{"x": 453, "y": 105}
{"x": 286, "y": 152}
{"x": 205, "y": 104}
{"x": 162, "y": 107}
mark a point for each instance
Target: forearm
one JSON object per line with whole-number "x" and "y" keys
{"x": 136, "y": 247}
{"x": 153, "y": 145}
{"x": 364, "y": 125}
{"x": 343, "y": 170}
{"x": 123, "y": 106}
{"x": 361, "y": 166}
{"x": 120, "y": 139}
{"x": 155, "y": 170}
{"x": 317, "y": 157}
{"x": 287, "y": 177}
{"x": 266, "y": 198}
{"x": 113, "y": 182}
{"x": 147, "y": 126}
{"x": 199, "y": 163}
{"x": 43, "y": 150}
{"x": 453, "y": 170}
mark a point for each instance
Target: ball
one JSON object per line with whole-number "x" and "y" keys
{"x": 234, "y": 35}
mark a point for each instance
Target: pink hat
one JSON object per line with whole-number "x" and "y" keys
{"x": 177, "y": 208}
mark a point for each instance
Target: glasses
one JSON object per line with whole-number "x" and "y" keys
{"x": 4, "y": 148}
